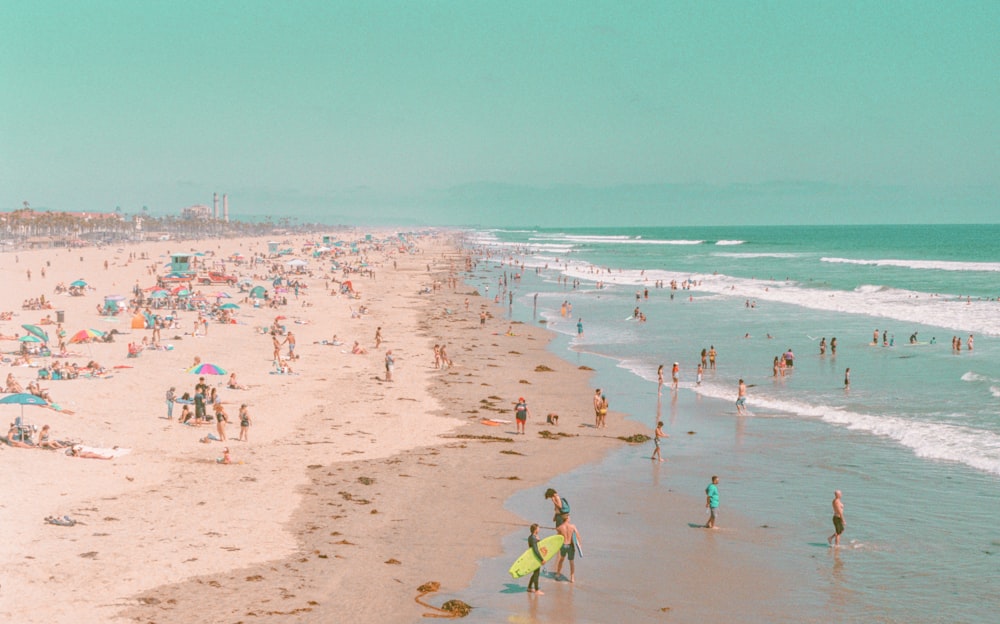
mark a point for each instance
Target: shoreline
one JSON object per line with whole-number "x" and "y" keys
{"x": 175, "y": 514}
{"x": 419, "y": 502}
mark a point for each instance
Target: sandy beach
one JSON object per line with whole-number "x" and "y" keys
{"x": 351, "y": 491}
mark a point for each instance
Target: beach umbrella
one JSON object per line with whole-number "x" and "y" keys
{"x": 114, "y": 297}
{"x": 297, "y": 263}
{"x": 79, "y": 284}
{"x": 159, "y": 294}
{"x": 86, "y": 334}
{"x": 22, "y": 399}
{"x": 183, "y": 292}
{"x": 229, "y": 306}
{"x": 37, "y": 331}
{"x": 206, "y": 368}
{"x": 29, "y": 338}
{"x": 222, "y": 295}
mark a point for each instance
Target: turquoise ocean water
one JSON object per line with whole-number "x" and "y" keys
{"x": 914, "y": 444}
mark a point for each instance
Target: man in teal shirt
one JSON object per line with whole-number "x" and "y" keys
{"x": 712, "y": 501}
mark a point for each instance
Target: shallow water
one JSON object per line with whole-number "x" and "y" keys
{"x": 914, "y": 444}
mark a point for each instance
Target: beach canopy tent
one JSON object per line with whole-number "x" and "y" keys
{"x": 138, "y": 321}
{"x": 297, "y": 263}
{"x": 258, "y": 292}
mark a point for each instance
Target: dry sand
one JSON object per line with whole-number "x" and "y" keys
{"x": 351, "y": 492}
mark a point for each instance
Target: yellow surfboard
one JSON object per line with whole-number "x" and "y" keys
{"x": 528, "y": 562}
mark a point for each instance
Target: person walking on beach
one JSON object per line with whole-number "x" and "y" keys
{"x": 741, "y": 399}
{"x": 389, "y": 363}
{"x": 277, "y": 346}
{"x": 700, "y": 373}
{"x": 571, "y": 537}
{"x": 675, "y": 376}
{"x": 838, "y": 519}
{"x": 290, "y": 341}
{"x": 200, "y": 392}
{"x": 221, "y": 420}
{"x": 598, "y": 404}
{"x": 712, "y": 502}
{"x": 171, "y": 397}
{"x": 244, "y": 423}
{"x": 521, "y": 414}
{"x": 656, "y": 441}
{"x": 533, "y": 545}
{"x": 659, "y": 379}
{"x": 378, "y": 337}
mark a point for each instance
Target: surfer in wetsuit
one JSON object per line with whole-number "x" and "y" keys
{"x": 533, "y": 544}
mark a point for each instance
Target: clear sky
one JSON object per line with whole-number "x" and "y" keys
{"x": 506, "y": 113}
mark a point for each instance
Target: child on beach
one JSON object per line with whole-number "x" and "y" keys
{"x": 533, "y": 544}
{"x": 656, "y": 440}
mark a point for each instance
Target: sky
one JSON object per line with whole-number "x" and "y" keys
{"x": 506, "y": 113}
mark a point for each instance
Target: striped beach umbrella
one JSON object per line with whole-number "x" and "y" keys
{"x": 85, "y": 335}
{"x": 206, "y": 368}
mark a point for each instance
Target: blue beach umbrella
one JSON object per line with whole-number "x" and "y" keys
{"x": 78, "y": 284}
{"x": 35, "y": 330}
{"x": 22, "y": 399}
{"x": 29, "y": 338}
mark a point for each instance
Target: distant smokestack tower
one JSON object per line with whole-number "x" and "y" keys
{"x": 215, "y": 205}
{"x": 225, "y": 207}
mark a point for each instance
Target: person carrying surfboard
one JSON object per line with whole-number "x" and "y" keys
{"x": 571, "y": 544}
{"x": 533, "y": 544}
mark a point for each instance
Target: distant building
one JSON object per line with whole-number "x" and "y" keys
{"x": 198, "y": 211}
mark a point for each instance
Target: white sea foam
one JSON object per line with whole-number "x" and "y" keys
{"x": 995, "y": 391}
{"x": 731, "y": 254}
{"x": 613, "y": 240}
{"x": 971, "y": 376}
{"x": 977, "y": 316}
{"x": 937, "y": 265}
{"x": 973, "y": 447}
{"x": 729, "y": 242}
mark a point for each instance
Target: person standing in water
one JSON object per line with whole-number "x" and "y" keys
{"x": 656, "y": 441}
{"x": 847, "y": 378}
{"x": 571, "y": 537}
{"x": 838, "y": 519}
{"x": 741, "y": 399}
{"x": 533, "y": 545}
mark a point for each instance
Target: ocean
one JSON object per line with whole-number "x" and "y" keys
{"x": 913, "y": 443}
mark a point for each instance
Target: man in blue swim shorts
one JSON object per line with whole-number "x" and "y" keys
{"x": 571, "y": 537}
